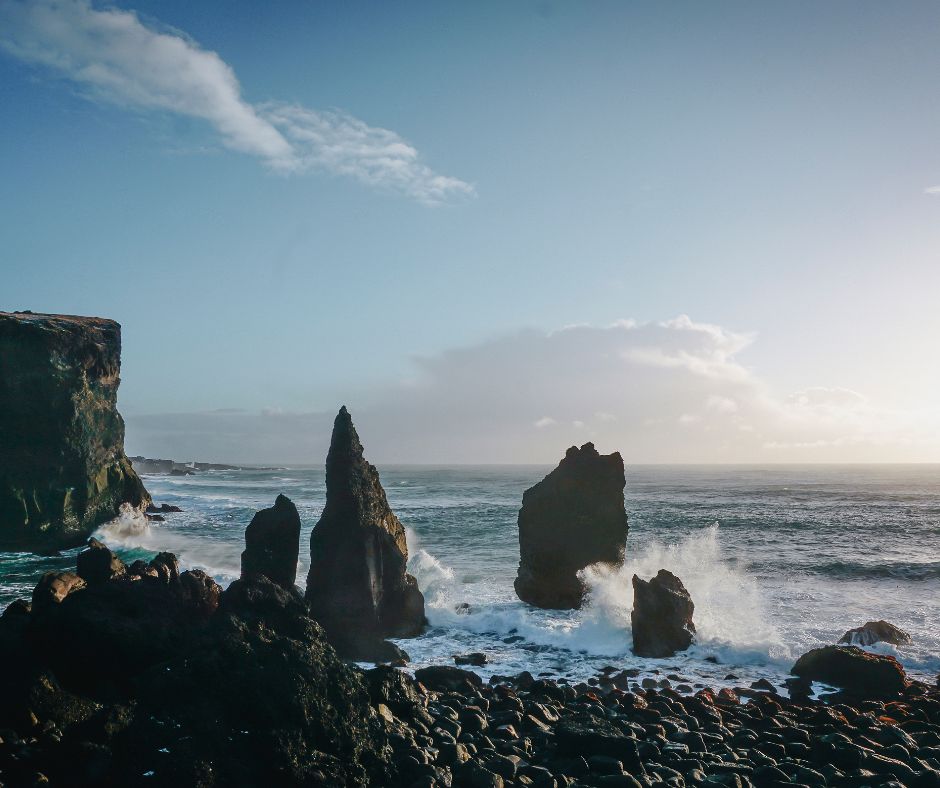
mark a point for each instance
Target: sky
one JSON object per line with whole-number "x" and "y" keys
{"x": 689, "y": 232}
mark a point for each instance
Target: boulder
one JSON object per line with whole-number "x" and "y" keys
{"x": 850, "y": 668}
{"x": 98, "y": 564}
{"x": 571, "y": 519}
{"x": 63, "y": 471}
{"x": 876, "y": 632}
{"x": 54, "y": 587}
{"x": 447, "y": 678}
{"x": 357, "y": 586}
{"x": 662, "y": 616}
{"x": 272, "y": 543}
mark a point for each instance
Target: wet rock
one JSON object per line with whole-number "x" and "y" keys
{"x": 272, "y": 543}
{"x": 63, "y": 471}
{"x": 357, "y": 586}
{"x": 476, "y": 658}
{"x": 876, "y": 632}
{"x": 573, "y": 518}
{"x": 163, "y": 508}
{"x": 588, "y": 736}
{"x": 98, "y": 564}
{"x": 448, "y": 678}
{"x": 852, "y": 669}
{"x": 662, "y": 616}
{"x": 54, "y": 587}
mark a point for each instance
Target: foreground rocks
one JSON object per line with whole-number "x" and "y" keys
{"x": 662, "y": 616}
{"x": 357, "y": 586}
{"x": 63, "y": 471}
{"x": 571, "y": 519}
{"x": 145, "y": 675}
{"x": 448, "y": 729}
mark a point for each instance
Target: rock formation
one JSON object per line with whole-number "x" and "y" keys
{"x": 357, "y": 587}
{"x": 154, "y": 676}
{"x": 662, "y": 616}
{"x": 571, "y": 519}
{"x": 272, "y": 544}
{"x": 852, "y": 669}
{"x": 876, "y": 632}
{"x": 63, "y": 471}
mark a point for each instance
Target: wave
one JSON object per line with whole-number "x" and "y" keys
{"x": 902, "y": 570}
{"x": 131, "y": 530}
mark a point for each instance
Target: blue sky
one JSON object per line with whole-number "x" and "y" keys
{"x": 761, "y": 168}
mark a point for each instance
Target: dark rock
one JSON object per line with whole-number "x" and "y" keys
{"x": 588, "y": 736}
{"x": 662, "y": 616}
{"x": 54, "y": 587}
{"x": 163, "y": 508}
{"x": 63, "y": 471}
{"x": 272, "y": 543}
{"x": 444, "y": 678}
{"x": 476, "y": 658}
{"x": 852, "y": 669}
{"x": 98, "y": 564}
{"x": 393, "y": 688}
{"x": 357, "y": 586}
{"x": 876, "y": 632}
{"x": 573, "y": 518}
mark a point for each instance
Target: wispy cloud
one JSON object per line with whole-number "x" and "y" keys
{"x": 114, "y": 56}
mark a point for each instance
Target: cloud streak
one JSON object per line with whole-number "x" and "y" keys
{"x": 113, "y": 56}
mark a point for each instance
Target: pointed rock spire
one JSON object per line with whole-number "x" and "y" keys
{"x": 357, "y": 587}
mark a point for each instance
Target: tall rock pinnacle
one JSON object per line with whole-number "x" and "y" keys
{"x": 357, "y": 587}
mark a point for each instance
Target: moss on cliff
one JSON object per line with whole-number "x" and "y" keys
{"x": 63, "y": 471}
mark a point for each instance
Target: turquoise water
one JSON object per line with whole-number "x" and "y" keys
{"x": 778, "y": 559}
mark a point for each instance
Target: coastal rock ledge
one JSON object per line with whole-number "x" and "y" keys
{"x": 571, "y": 519}
{"x": 357, "y": 586}
{"x": 63, "y": 471}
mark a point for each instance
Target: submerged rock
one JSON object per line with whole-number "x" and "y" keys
{"x": 852, "y": 669}
{"x": 63, "y": 471}
{"x": 272, "y": 543}
{"x": 662, "y": 616}
{"x": 357, "y": 586}
{"x": 876, "y": 632}
{"x": 571, "y": 519}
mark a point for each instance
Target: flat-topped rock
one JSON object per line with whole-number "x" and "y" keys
{"x": 571, "y": 519}
{"x": 63, "y": 471}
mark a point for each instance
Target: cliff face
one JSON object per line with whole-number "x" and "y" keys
{"x": 63, "y": 471}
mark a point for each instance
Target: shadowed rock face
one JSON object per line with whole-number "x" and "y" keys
{"x": 272, "y": 544}
{"x": 63, "y": 471}
{"x": 662, "y": 616}
{"x": 853, "y": 670}
{"x": 571, "y": 519}
{"x": 357, "y": 587}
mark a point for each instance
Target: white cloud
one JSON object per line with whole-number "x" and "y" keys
{"x": 488, "y": 403}
{"x": 932, "y": 190}
{"x": 113, "y": 56}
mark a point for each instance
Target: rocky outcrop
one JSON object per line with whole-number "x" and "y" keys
{"x": 848, "y": 667}
{"x": 63, "y": 471}
{"x": 357, "y": 587}
{"x": 272, "y": 544}
{"x": 662, "y": 616}
{"x": 571, "y": 519}
{"x": 876, "y": 632}
{"x": 153, "y": 676}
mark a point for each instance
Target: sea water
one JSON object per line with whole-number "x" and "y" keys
{"x": 778, "y": 560}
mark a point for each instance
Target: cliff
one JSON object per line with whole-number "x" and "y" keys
{"x": 63, "y": 471}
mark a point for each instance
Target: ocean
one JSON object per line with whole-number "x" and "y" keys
{"x": 778, "y": 560}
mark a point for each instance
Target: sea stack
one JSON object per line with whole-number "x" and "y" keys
{"x": 63, "y": 471}
{"x": 272, "y": 543}
{"x": 662, "y": 616}
{"x": 357, "y": 587}
{"x": 571, "y": 519}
